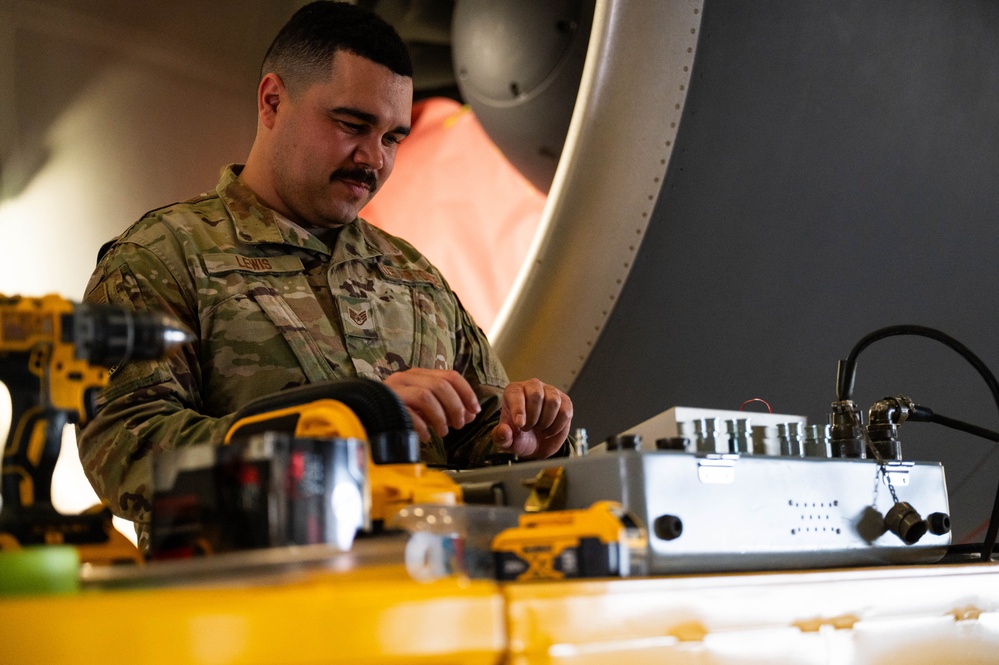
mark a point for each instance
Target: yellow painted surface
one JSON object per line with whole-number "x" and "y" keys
{"x": 931, "y": 614}
{"x": 376, "y": 614}
{"x": 373, "y": 616}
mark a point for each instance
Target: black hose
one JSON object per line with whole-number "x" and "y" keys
{"x": 382, "y": 414}
{"x": 962, "y": 426}
{"x": 847, "y": 375}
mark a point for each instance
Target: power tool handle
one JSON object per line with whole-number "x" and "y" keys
{"x": 34, "y": 440}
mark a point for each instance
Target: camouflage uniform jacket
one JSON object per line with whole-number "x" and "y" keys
{"x": 272, "y": 307}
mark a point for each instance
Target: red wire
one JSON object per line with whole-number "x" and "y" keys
{"x": 756, "y": 399}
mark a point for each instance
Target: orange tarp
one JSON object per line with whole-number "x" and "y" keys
{"x": 455, "y": 197}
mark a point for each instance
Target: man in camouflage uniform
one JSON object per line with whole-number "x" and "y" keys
{"x": 284, "y": 285}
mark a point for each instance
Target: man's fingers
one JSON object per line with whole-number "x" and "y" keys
{"x": 439, "y": 398}
{"x": 502, "y": 436}
{"x": 419, "y": 425}
{"x": 559, "y": 426}
{"x": 533, "y": 404}
{"x": 522, "y": 402}
{"x": 551, "y": 407}
{"x": 464, "y": 391}
{"x": 455, "y": 396}
{"x": 535, "y": 421}
{"x": 512, "y": 413}
{"x": 425, "y": 404}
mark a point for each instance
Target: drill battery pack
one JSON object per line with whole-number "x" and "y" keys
{"x": 603, "y": 540}
{"x": 269, "y": 490}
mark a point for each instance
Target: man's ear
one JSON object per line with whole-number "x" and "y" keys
{"x": 270, "y": 94}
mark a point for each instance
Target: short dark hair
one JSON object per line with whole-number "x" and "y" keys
{"x": 303, "y": 49}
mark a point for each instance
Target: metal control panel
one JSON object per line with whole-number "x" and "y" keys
{"x": 710, "y": 511}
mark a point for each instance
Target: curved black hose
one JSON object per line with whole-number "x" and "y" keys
{"x": 382, "y": 414}
{"x": 848, "y": 368}
{"x": 847, "y": 376}
{"x": 959, "y": 425}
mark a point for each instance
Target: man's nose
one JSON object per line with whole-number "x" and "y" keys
{"x": 369, "y": 153}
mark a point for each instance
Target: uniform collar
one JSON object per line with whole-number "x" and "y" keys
{"x": 255, "y": 224}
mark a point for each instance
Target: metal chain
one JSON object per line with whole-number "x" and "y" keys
{"x": 882, "y": 465}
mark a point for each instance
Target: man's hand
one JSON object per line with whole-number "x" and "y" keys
{"x": 436, "y": 399}
{"x": 535, "y": 419}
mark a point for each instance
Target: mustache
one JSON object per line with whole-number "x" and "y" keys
{"x": 361, "y": 176}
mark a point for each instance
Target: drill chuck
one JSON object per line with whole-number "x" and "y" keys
{"x": 108, "y": 336}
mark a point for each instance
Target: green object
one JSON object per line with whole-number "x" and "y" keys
{"x": 44, "y": 569}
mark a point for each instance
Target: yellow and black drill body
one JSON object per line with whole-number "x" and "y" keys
{"x": 55, "y": 357}
{"x": 366, "y": 410}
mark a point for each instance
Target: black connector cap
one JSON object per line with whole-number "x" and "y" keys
{"x": 625, "y": 442}
{"x": 938, "y": 523}
{"x": 667, "y": 527}
{"x": 680, "y": 443}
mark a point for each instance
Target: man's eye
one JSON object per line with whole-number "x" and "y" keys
{"x": 352, "y": 127}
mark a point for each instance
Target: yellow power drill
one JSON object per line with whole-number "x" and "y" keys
{"x": 55, "y": 356}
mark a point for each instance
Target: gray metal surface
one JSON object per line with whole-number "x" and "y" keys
{"x": 750, "y": 512}
{"x": 637, "y": 71}
{"x": 518, "y": 65}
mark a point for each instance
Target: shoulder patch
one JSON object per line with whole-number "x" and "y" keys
{"x": 409, "y": 275}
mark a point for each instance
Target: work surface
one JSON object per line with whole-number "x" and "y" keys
{"x": 308, "y": 607}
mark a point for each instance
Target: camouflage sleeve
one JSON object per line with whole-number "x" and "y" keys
{"x": 148, "y": 406}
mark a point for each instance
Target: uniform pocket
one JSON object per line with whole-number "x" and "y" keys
{"x": 379, "y": 329}
{"x": 436, "y": 340}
